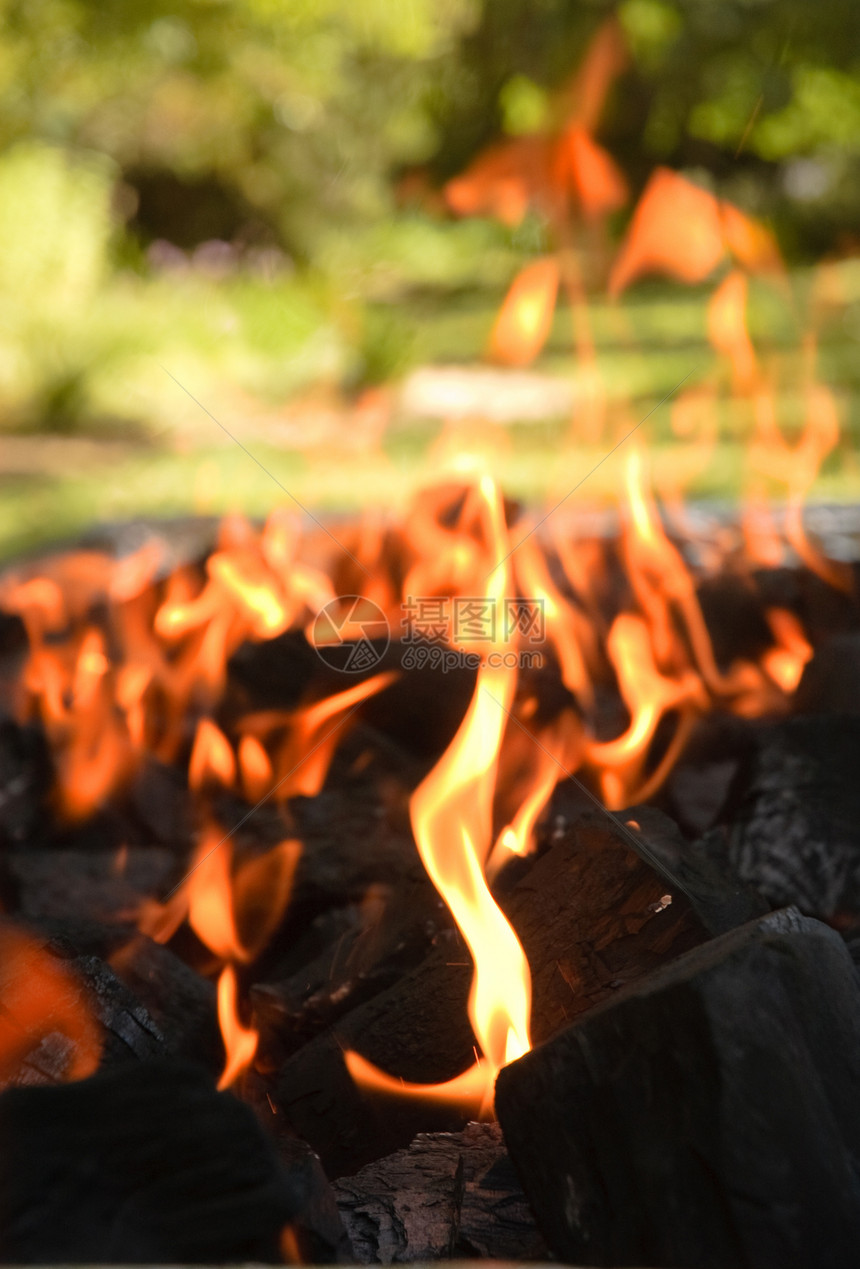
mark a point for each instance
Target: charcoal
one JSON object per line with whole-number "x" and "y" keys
{"x": 419, "y": 712}
{"x": 830, "y": 683}
{"x": 158, "y": 799}
{"x": 793, "y": 816}
{"x": 707, "y": 1116}
{"x": 318, "y": 1227}
{"x": 349, "y": 843}
{"x": 375, "y": 942}
{"x": 144, "y": 1164}
{"x": 178, "y": 999}
{"x": 735, "y": 617}
{"x": 496, "y": 1220}
{"x": 697, "y": 794}
{"x": 84, "y": 985}
{"x": 105, "y": 886}
{"x": 26, "y": 776}
{"x": 719, "y": 898}
{"x": 447, "y": 1195}
{"x": 405, "y": 1207}
{"x": 591, "y": 916}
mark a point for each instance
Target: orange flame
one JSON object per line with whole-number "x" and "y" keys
{"x": 797, "y": 468}
{"x": 684, "y": 231}
{"x": 451, "y": 813}
{"x": 42, "y": 1004}
{"x": 525, "y": 318}
{"x": 239, "y": 1041}
{"x": 727, "y": 328}
{"x": 211, "y": 757}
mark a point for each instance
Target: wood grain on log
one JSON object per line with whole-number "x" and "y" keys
{"x": 448, "y": 1194}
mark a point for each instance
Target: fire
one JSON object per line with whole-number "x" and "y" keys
{"x": 683, "y": 230}
{"x": 234, "y": 911}
{"x": 451, "y": 812}
{"x": 525, "y": 318}
{"x": 42, "y": 1005}
{"x": 128, "y": 663}
{"x": 239, "y": 1041}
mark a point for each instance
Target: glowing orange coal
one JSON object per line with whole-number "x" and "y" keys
{"x": 44, "y": 1008}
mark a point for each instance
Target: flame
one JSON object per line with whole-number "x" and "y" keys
{"x": 502, "y": 181}
{"x": 126, "y": 660}
{"x": 525, "y": 318}
{"x": 558, "y": 171}
{"x": 685, "y": 231}
{"x": 556, "y": 753}
{"x": 605, "y": 58}
{"x": 239, "y": 1041}
{"x": 588, "y": 173}
{"x": 451, "y": 812}
{"x": 211, "y": 757}
{"x": 784, "y": 662}
{"x": 42, "y": 1004}
{"x": 727, "y": 328}
{"x": 797, "y": 467}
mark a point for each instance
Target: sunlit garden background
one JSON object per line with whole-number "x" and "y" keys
{"x": 234, "y": 215}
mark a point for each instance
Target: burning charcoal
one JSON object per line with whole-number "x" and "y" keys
{"x": 319, "y": 1230}
{"x": 496, "y": 1221}
{"x": 449, "y": 1194}
{"x": 179, "y": 1000}
{"x": 146, "y": 1163}
{"x": 591, "y": 916}
{"x": 719, "y": 898}
{"x": 735, "y": 617}
{"x": 419, "y": 1028}
{"x": 793, "y": 818}
{"x": 64, "y": 1013}
{"x": 708, "y": 1116}
{"x": 831, "y": 680}
{"x": 25, "y": 781}
{"x": 103, "y": 886}
{"x": 419, "y": 712}
{"x": 822, "y": 609}
{"x": 375, "y": 943}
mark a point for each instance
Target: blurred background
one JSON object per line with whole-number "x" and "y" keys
{"x": 302, "y": 219}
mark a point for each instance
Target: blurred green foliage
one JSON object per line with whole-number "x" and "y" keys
{"x": 289, "y": 132}
{"x": 304, "y": 111}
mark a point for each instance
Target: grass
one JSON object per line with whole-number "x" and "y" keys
{"x": 256, "y": 353}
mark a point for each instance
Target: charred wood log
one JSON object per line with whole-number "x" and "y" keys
{"x": 143, "y": 1164}
{"x": 51, "y": 998}
{"x": 793, "y": 818}
{"x": 720, "y": 899}
{"x": 591, "y": 916}
{"x": 101, "y": 886}
{"x": 710, "y": 1115}
{"x": 26, "y": 775}
{"x": 448, "y": 1194}
{"x": 830, "y": 683}
{"x": 374, "y": 943}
